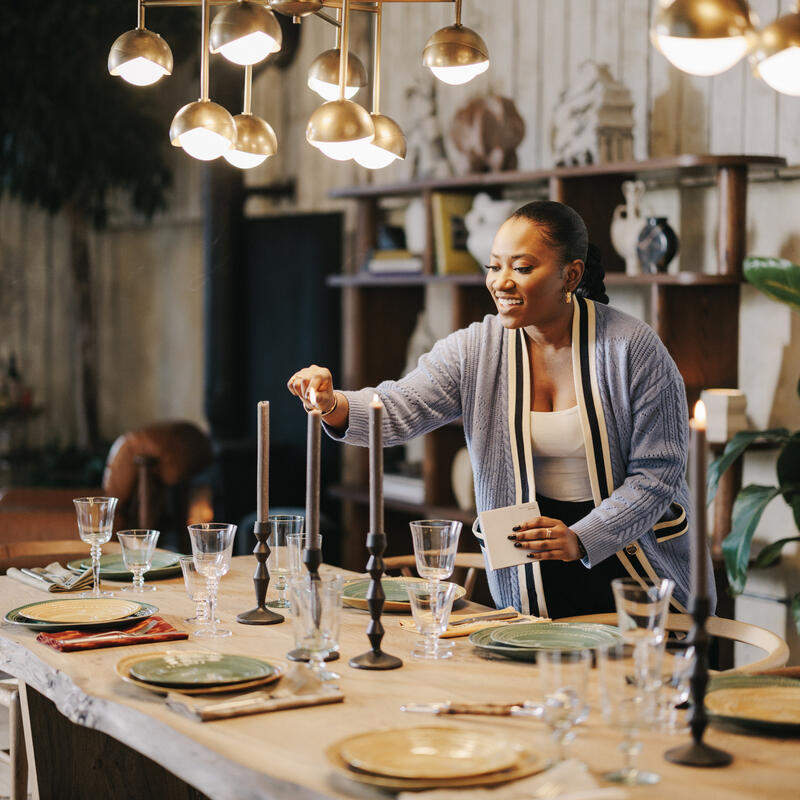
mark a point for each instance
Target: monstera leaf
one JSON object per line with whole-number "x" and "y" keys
{"x": 776, "y": 277}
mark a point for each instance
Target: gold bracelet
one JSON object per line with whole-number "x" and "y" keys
{"x": 333, "y": 407}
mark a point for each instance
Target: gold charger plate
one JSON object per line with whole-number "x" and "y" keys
{"x": 354, "y": 593}
{"x": 759, "y": 704}
{"x": 123, "y": 669}
{"x": 529, "y": 763}
{"x": 431, "y": 752}
{"x": 77, "y": 611}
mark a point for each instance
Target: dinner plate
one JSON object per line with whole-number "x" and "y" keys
{"x": 354, "y": 593}
{"x": 165, "y": 564}
{"x": 199, "y": 669}
{"x": 78, "y": 610}
{"x": 562, "y": 636}
{"x": 483, "y": 640}
{"x": 123, "y": 670}
{"x": 430, "y": 752}
{"x": 143, "y": 611}
{"x": 767, "y": 704}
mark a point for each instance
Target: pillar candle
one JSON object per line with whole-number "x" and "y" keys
{"x": 262, "y": 508}
{"x": 697, "y": 476}
{"x": 312, "y": 474}
{"x": 375, "y": 465}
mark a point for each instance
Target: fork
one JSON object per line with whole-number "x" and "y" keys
{"x": 105, "y": 634}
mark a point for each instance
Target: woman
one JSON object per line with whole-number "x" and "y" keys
{"x": 563, "y": 399}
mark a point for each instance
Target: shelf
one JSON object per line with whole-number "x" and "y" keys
{"x": 671, "y": 167}
{"x": 419, "y": 510}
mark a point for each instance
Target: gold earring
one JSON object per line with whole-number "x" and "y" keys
{"x": 567, "y": 296}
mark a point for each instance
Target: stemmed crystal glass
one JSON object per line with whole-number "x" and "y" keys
{"x": 212, "y": 544}
{"x": 564, "y": 678}
{"x": 280, "y": 527}
{"x": 196, "y": 588}
{"x": 137, "y": 553}
{"x": 430, "y": 607}
{"x": 675, "y": 687}
{"x": 95, "y": 521}
{"x": 435, "y": 546}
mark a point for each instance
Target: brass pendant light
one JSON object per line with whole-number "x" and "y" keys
{"x": 776, "y": 54}
{"x": 255, "y": 139}
{"x": 245, "y": 33}
{"x": 323, "y": 74}
{"x": 296, "y": 8}
{"x": 140, "y": 56}
{"x": 456, "y": 54}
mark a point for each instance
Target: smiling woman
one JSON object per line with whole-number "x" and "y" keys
{"x": 559, "y": 392}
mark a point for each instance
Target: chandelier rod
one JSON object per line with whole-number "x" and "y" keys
{"x": 376, "y": 69}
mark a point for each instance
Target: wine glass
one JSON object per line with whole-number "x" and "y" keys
{"x": 281, "y": 526}
{"x": 430, "y": 606}
{"x": 675, "y": 687}
{"x": 642, "y": 608}
{"x": 95, "y": 521}
{"x": 296, "y": 544}
{"x": 563, "y": 678}
{"x": 212, "y": 543}
{"x": 316, "y": 604}
{"x": 196, "y": 588}
{"x": 435, "y": 545}
{"x": 137, "y": 553}
{"x": 627, "y": 676}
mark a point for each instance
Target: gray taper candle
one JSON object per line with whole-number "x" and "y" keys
{"x": 262, "y": 508}
{"x": 312, "y": 478}
{"x": 375, "y": 465}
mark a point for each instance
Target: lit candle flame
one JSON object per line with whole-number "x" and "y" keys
{"x": 312, "y": 397}
{"x": 700, "y": 415}
{"x": 376, "y": 401}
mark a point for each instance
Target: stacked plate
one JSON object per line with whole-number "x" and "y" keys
{"x": 112, "y": 567}
{"x": 196, "y": 672}
{"x": 433, "y": 757}
{"x": 79, "y": 613}
{"x": 521, "y": 641}
{"x": 354, "y": 593}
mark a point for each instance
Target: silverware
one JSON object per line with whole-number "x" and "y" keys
{"x": 483, "y": 709}
{"x": 126, "y": 634}
{"x": 487, "y": 616}
{"x": 41, "y": 576}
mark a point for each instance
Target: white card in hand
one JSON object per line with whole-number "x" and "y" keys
{"x": 497, "y": 525}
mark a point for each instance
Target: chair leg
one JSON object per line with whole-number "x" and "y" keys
{"x": 17, "y": 751}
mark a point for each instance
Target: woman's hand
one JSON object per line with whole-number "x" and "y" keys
{"x": 547, "y": 538}
{"x": 320, "y": 380}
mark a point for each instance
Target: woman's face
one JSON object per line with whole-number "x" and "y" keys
{"x": 525, "y": 276}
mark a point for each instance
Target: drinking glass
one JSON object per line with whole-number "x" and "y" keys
{"x": 563, "y": 678}
{"x": 95, "y": 520}
{"x": 137, "y": 553}
{"x": 196, "y": 588}
{"x": 280, "y": 526}
{"x": 316, "y": 613}
{"x": 642, "y": 609}
{"x": 212, "y": 543}
{"x": 435, "y": 545}
{"x": 675, "y": 687}
{"x": 430, "y": 606}
{"x": 296, "y": 543}
{"x": 627, "y": 676}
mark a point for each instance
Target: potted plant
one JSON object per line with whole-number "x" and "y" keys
{"x": 779, "y": 279}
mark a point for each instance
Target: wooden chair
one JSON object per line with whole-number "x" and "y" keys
{"x": 16, "y": 756}
{"x": 470, "y": 563}
{"x": 776, "y": 651}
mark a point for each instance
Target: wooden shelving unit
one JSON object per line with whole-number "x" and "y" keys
{"x": 696, "y": 314}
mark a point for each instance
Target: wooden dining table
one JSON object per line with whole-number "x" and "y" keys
{"x": 95, "y": 735}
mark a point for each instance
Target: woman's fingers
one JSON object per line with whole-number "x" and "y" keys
{"x": 314, "y": 386}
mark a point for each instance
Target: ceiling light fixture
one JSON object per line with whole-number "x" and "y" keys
{"x": 323, "y": 74}
{"x": 255, "y": 139}
{"x": 245, "y": 33}
{"x": 389, "y": 143}
{"x": 456, "y": 54}
{"x": 703, "y": 37}
{"x": 776, "y": 54}
{"x": 140, "y": 56}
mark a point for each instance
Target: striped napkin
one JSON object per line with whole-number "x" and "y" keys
{"x": 53, "y": 578}
{"x": 152, "y": 629}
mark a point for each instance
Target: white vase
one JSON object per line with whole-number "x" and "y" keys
{"x": 627, "y": 223}
{"x": 415, "y": 226}
{"x": 482, "y": 221}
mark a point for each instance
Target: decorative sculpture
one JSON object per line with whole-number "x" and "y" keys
{"x": 425, "y": 154}
{"x": 627, "y": 223}
{"x": 486, "y": 132}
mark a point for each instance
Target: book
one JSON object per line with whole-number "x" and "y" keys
{"x": 403, "y": 488}
{"x": 450, "y": 233}
{"x": 386, "y": 261}
{"x": 496, "y": 526}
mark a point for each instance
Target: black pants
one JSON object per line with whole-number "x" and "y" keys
{"x": 570, "y": 588}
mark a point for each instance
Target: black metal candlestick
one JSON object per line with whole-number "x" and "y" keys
{"x": 260, "y": 615}
{"x": 375, "y": 658}
{"x": 699, "y": 754}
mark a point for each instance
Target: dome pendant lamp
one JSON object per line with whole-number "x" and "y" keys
{"x": 323, "y": 74}
{"x": 255, "y": 139}
{"x": 389, "y": 143}
{"x": 339, "y": 128}
{"x": 140, "y": 57}
{"x": 776, "y": 55}
{"x": 205, "y": 130}
{"x": 245, "y": 33}
{"x": 456, "y": 54}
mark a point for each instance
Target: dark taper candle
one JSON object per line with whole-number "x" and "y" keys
{"x": 375, "y": 465}
{"x": 262, "y": 508}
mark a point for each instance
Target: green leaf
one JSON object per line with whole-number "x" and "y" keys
{"x": 776, "y": 277}
{"x": 747, "y": 510}
{"x": 795, "y": 606}
{"x": 734, "y": 448}
{"x": 771, "y": 552}
{"x": 788, "y": 467}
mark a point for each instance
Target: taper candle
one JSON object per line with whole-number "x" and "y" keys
{"x": 697, "y": 476}
{"x": 312, "y": 473}
{"x": 262, "y": 508}
{"x": 375, "y": 465}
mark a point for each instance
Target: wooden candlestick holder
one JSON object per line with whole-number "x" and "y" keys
{"x": 697, "y": 753}
{"x": 375, "y": 658}
{"x": 260, "y": 615}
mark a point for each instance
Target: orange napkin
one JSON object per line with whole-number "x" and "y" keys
{"x": 68, "y": 641}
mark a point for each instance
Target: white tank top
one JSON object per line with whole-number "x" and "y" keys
{"x": 559, "y": 455}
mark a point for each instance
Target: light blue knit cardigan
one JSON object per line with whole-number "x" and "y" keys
{"x": 637, "y": 390}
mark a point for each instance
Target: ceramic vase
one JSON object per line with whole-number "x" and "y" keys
{"x": 657, "y": 245}
{"x": 626, "y": 225}
{"x": 482, "y": 221}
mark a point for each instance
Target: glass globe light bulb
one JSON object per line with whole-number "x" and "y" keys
{"x": 703, "y": 57}
{"x": 782, "y": 71}
{"x": 456, "y": 76}
{"x": 373, "y": 157}
{"x": 242, "y": 160}
{"x": 203, "y": 144}
{"x": 250, "y": 49}
{"x": 342, "y": 151}
{"x": 141, "y": 71}
{"x": 330, "y": 91}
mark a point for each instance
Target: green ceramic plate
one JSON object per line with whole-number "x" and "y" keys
{"x": 556, "y": 635}
{"x": 755, "y": 704}
{"x": 483, "y": 640}
{"x": 16, "y": 617}
{"x": 354, "y": 593}
{"x": 200, "y": 669}
{"x": 164, "y": 565}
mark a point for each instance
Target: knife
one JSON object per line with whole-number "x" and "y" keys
{"x": 39, "y": 575}
{"x": 484, "y": 709}
{"x": 489, "y": 616}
